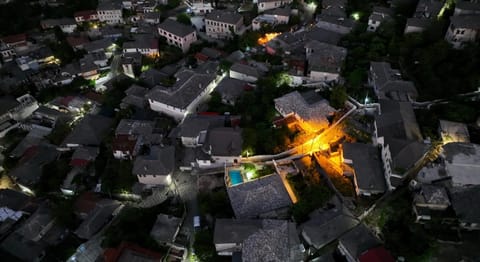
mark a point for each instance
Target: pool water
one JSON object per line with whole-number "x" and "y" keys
{"x": 235, "y": 177}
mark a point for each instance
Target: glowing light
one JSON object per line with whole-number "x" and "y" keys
{"x": 312, "y": 5}
{"x": 169, "y": 179}
{"x": 266, "y": 38}
{"x": 249, "y": 175}
{"x": 356, "y": 16}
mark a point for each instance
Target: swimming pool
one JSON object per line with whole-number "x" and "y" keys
{"x": 235, "y": 177}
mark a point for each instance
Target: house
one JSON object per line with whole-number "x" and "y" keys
{"x": 199, "y": 7}
{"x": 462, "y": 163}
{"x": 110, "y": 12}
{"x": 308, "y": 108}
{"x": 388, "y": 83}
{"x": 129, "y": 136}
{"x": 193, "y": 131}
{"x": 67, "y": 25}
{"x": 28, "y": 172}
{"x": 145, "y": 45}
{"x": 177, "y": 34}
{"x": 462, "y": 201}
{"x": 191, "y": 88}
{"x": 165, "y": 229}
{"x": 429, "y": 199}
{"x": 335, "y": 24}
{"x": 272, "y": 17}
{"x": 462, "y": 30}
{"x": 102, "y": 45}
{"x": 264, "y": 5}
{"x": 77, "y": 42}
{"x": 360, "y": 244}
{"x": 98, "y": 218}
{"x": 230, "y": 89}
{"x": 30, "y": 241}
{"x": 152, "y": 18}
{"x": 453, "y": 132}
{"x": 258, "y": 240}
{"x": 157, "y": 167}
{"x": 244, "y": 72}
{"x": 265, "y": 197}
{"x": 90, "y": 131}
{"x": 7, "y": 52}
{"x": 365, "y": 166}
{"x": 397, "y": 133}
{"x": 207, "y": 54}
{"x": 378, "y": 16}
{"x": 85, "y": 203}
{"x": 221, "y": 24}
{"x": 224, "y": 145}
{"x": 467, "y": 8}
{"x": 17, "y": 42}
{"x": 326, "y": 225}
{"x": 83, "y": 156}
{"x": 135, "y": 96}
{"x": 85, "y": 16}
{"x": 334, "y": 8}
{"x": 111, "y": 32}
{"x": 131, "y": 64}
{"x": 425, "y": 14}
{"x": 325, "y": 61}
{"x": 35, "y": 137}
{"x": 130, "y": 252}
{"x": 13, "y": 110}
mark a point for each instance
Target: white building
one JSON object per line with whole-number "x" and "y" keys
{"x": 463, "y": 29}
{"x": 177, "y": 34}
{"x": 110, "y": 12}
{"x": 199, "y": 7}
{"x": 145, "y": 45}
{"x": 67, "y": 25}
{"x": 273, "y": 17}
{"x": 221, "y": 24}
{"x": 155, "y": 168}
{"x": 187, "y": 93}
{"x": 244, "y": 72}
{"x": 325, "y": 61}
{"x": 378, "y": 16}
{"x": 264, "y": 5}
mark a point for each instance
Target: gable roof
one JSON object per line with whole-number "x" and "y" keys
{"x": 90, "y": 131}
{"x": 160, "y": 162}
{"x": 97, "y": 218}
{"x": 224, "y": 141}
{"x": 176, "y": 28}
{"x": 224, "y": 16}
{"x": 367, "y": 165}
{"x": 260, "y": 196}
{"x": 165, "y": 228}
{"x": 359, "y": 240}
{"x": 462, "y": 199}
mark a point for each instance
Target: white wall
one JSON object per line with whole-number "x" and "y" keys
{"x": 241, "y": 76}
{"x": 152, "y": 180}
{"x": 324, "y": 76}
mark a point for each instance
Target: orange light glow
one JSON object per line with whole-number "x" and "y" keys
{"x": 266, "y": 38}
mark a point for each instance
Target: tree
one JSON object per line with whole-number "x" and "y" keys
{"x": 338, "y": 97}
{"x": 184, "y": 19}
{"x": 203, "y": 245}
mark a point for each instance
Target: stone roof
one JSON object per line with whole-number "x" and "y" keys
{"x": 432, "y": 195}
{"x": 134, "y": 127}
{"x": 462, "y": 201}
{"x": 397, "y": 120}
{"x": 309, "y": 106}
{"x": 327, "y": 224}
{"x": 231, "y": 88}
{"x": 90, "y": 131}
{"x": 428, "y": 9}
{"x": 192, "y": 126}
{"x": 257, "y": 197}
{"x": 97, "y": 218}
{"x": 322, "y": 35}
{"x": 367, "y": 165}
{"x": 97, "y": 45}
{"x": 105, "y": 5}
{"x": 388, "y": 80}
{"x": 284, "y": 11}
{"x": 359, "y": 240}
{"x": 462, "y": 163}
{"x": 142, "y": 42}
{"x": 334, "y": 7}
{"x": 176, "y": 28}
{"x": 245, "y": 69}
{"x": 223, "y": 141}
{"x": 165, "y": 228}
{"x": 224, "y": 16}
{"x": 234, "y": 230}
{"x": 160, "y": 162}
{"x": 277, "y": 240}
{"x": 326, "y": 57}
{"x": 454, "y": 131}
{"x": 190, "y": 84}
{"x": 38, "y": 222}
{"x": 468, "y": 6}
{"x": 418, "y": 22}
{"x": 467, "y": 21}
{"x": 380, "y": 14}
{"x": 12, "y": 199}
